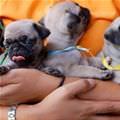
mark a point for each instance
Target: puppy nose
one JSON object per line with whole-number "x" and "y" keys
{"x": 75, "y": 18}
{"x": 85, "y": 13}
{"x": 106, "y": 36}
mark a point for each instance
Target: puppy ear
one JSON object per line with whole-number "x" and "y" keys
{"x": 85, "y": 12}
{"x": 42, "y": 31}
{"x": 41, "y": 21}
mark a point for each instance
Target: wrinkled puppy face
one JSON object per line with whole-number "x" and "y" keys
{"x": 67, "y": 17}
{"x": 112, "y": 34}
{"x": 24, "y": 40}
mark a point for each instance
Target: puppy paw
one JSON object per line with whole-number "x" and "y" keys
{"x": 102, "y": 67}
{"x": 109, "y": 60}
{"x": 52, "y": 71}
{"x": 107, "y": 75}
{"x": 3, "y": 70}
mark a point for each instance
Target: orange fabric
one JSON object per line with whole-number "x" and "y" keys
{"x": 103, "y": 12}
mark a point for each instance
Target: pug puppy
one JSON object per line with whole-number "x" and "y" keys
{"x": 112, "y": 41}
{"x": 112, "y": 46}
{"x": 24, "y": 41}
{"x": 67, "y": 21}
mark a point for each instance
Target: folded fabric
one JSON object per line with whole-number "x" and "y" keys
{"x": 102, "y": 11}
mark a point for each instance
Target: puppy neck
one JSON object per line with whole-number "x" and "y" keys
{"x": 57, "y": 41}
{"x": 39, "y": 58}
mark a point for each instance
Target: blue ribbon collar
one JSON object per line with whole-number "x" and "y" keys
{"x": 57, "y": 52}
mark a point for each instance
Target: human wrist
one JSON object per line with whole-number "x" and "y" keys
{"x": 25, "y": 112}
{"x": 48, "y": 84}
{"x": 3, "y": 112}
{"x": 35, "y": 112}
{"x": 42, "y": 112}
{"x": 22, "y": 113}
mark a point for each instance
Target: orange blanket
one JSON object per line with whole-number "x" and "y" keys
{"x": 103, "y": 12}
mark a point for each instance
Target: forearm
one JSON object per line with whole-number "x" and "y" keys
{"x": 102, "y": 91}
{"x": 3, "y": 113}
{"x": 27, "y": 85}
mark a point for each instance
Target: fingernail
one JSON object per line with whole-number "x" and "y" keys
{"x": 91, "y": 82}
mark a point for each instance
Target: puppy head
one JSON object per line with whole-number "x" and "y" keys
{"x": 24, "y": 40}
{"x": 112, "y": 34}
{"x": 67, "y": 17}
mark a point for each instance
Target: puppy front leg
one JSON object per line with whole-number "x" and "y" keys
{"x": 117, "y": 77}
{"x": 97, "y": 62}
{"x": 6, "y": 68}
{"x": 52, "y": 71}
{"x": 89, "y": 72}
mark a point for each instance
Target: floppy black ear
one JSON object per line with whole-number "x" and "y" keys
{"x": 85, "y": 12}
{"x": 42, "y": 31}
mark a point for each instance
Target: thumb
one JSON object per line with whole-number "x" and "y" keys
{"x": 79, "y": 87}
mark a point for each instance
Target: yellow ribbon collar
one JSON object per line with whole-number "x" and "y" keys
{"x": 109, "y": 67}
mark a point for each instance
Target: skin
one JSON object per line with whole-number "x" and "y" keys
{"x": 39, "y": 85}
{"x": 64, "y": 97}
{"x": 66, "y": 105}
{"x": 13, "y": 88}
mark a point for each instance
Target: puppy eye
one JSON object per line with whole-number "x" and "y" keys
{"x": 8, "y": 42}
{"x": 119, "y": 28}
{"x": 24, "y": 37}
{"x": 67, "y": 11}
{"x": 32, "y": 41}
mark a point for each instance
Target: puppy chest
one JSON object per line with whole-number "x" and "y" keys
{"x": 65, "y": 59}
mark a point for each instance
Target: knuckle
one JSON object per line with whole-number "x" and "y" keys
{"x": 85, "y": 83}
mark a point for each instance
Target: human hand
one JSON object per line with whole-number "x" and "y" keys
{"x": 27, "y": 85}
{"x": 30, "y": 85}
{"x": 62, "y": 104}
{"x": 24, "y": 85}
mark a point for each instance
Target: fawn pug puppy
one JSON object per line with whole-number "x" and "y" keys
{"x": 112, "y": 46}
{"x": 67, "y": 21}
{"x": 24, "y": 41}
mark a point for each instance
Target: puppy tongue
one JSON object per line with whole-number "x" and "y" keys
{"x": 18, "y": 58}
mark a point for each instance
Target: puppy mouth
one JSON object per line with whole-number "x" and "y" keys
{"x": 18, "y": 58}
